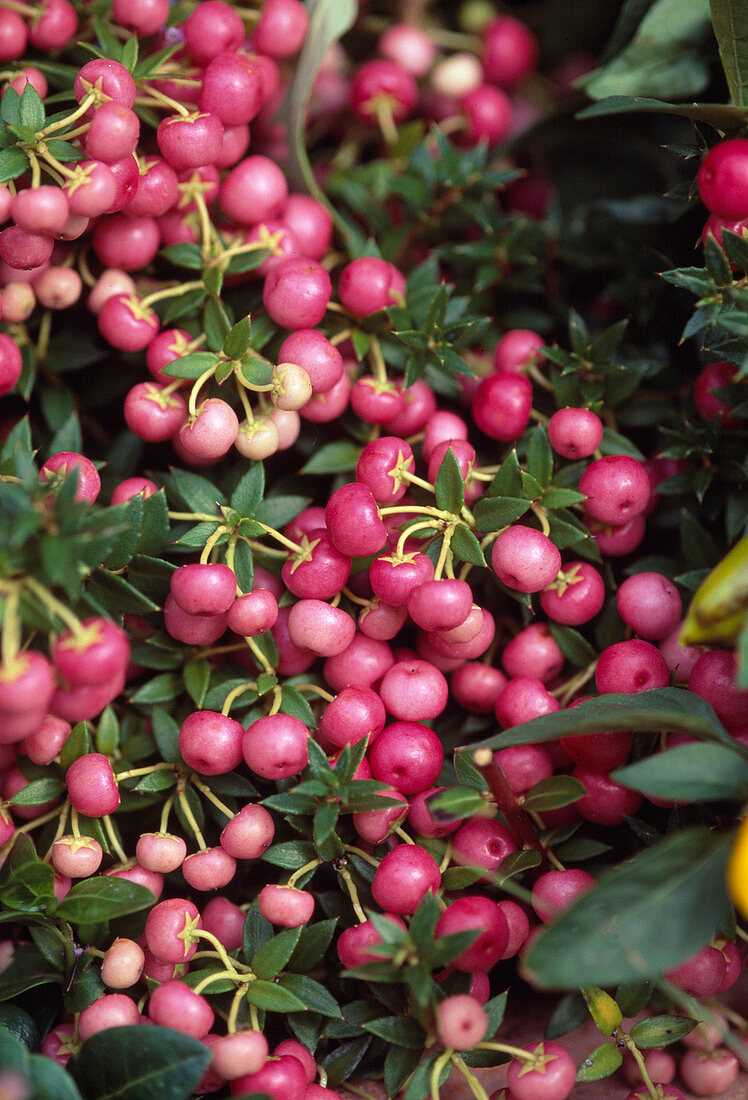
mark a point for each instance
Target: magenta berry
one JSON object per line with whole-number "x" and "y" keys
{"x": 207, "y": 589}
{"x": 211, "y": 743}
{"x": 575, "y": 433}
{"x": 502, "y": 406}
{"x": 91, "y": 785}
{"x": 275, "y": 747}
{"x": 403, "y": 877}
{"x": 285, "y": 905}
{"x": 407, "y": 756}
{"x": 631, "y": 666}
{"x": 550, "y": 1075}
{"x": 525, "y": 559}
{"x": 616, "y": 487}
{"x": 461, "y": 1022}
{"x": 475, "y": 912}
{"x": 650, "y": 604}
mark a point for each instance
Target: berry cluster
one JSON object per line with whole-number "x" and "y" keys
{"x": 306, "y": 734}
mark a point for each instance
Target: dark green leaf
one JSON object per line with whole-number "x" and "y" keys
{"x": 197, "y": 492}
{"x": 402, "y": 1031}
{"x": 632, "y": 997}
{"x": 420, "y": 1083}
{"x": 508, "y": 481}
{"x": 333, "y": 458}
{"x": 716, "y": 114}
{"x": 643, "y": 917}
{"x": 166, "y": 734}
{"x": 28, "y": 970}
{"x": 132, "y": 1063}
{"x": 237, "y": 340}
{"x": 184, "y": 255}
{"x": 314, "y": 942}
{"x": 663, "y": 710}
{"x": 268, "y": 961}
{"x": 540, "y": 457}
{"x": 161, "y": 689}
{"x": 257, "y": 931}
{"x": 190, "y": 366}
{"x": 13, "y": 162}
{"x": 570, "y": 1012}
{"x": 466, "y": 547}
{"x": 449, "y": 486}
{"x": 660, "y": 1031}
{"x": 247, "y": 496}
{"x": 38, "y": 792}
{"x": 103, "y": 898}
{"x": 342, "y": 1062}
{"x": 216, "y": 322}
{"x": 561, "y": 498}
{"x": 289, "y": 854}
{"x": 700, "y": 772}
{"x": 31, "y": 112}
{"x": 573, "y": 645}
{"x": 196, "y": 679}
{"x": 730, "y": 22}
{"x": 602, "y": 1062}
{"x": 552, "y": 793}
{"x": 314, "y": 996}
{"x": 493, "y": 513}
{"x": 273, "y": 998}
{"x": 399, "y": 1063}
{"x": 78, "y": 743}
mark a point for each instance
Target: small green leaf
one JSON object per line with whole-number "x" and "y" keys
{"x": 603, "y": 1009}
{"x": 257, "y": 931}
{"x": 730, "y": 22}
{"x": 660, "y": 1031}
{"x": 314, "y": 996}
{"x": 184, "y": 255}
{"x": 13, "y": 161}
{"x": 237, "y": 340}
{"x": 466, "y": 547}
{"x": 553, "y": 793}
{"x": 333, "y": 458}
{"x": 449, "y": 486}
{"x": 78, "y": 743}
{"x": 455, "y": 802}
{"x": 493, "y": 513}
{"x": 38, "y": 792}
{"x": 103, "y": 898}
{"x": 216, "y": 322}
{"x": 273, "y": 998}
{"x": 196, "y": 679}
{"x": 190, "y": 366}
{"x": 247, "y": 496}
{"x": 289, "y": 854}
{"x": 402, "y": 1031}
{"x": 31, "y": 112}
{"x": 601, "y": 1063}
{"x": 166, "y": 734}
{"x": 540, "y": 457}
{"x": 573, "y": 645}
{"x": 697, "y": 772}
{"x": 268, "y": 961}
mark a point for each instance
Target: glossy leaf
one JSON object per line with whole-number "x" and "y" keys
{"x": 273, "y": 998}
{"x": 704, "y": 772}
{"x": 449, "y": 486}
{"x": 730, "y": 22}
{"x": 103, "y": 898}
{"x": 601, "y": 1063}
{"x": 625, "y": 929}
{"x": 270, "y": 959}
{"x": 315, "y": 997}
{"x": 130, "y": 1063}
{"x": 660, "y": 1031}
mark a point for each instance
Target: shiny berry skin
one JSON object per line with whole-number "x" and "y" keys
{"x": 275, "y": 747}
{"x": 461, "y": 1022}
{"x": 723, "y": 179}
{"x": 91, "y": 785}
{"x": 629, "y": 667}
{"x": 62, "y": 464}
{"x": 296, "y": 293}
{"x": 713, "y": 377}
{"x": 576, "y": 596}
{"x": 405, "y": 875}
{"x": 354, "y": 522}
{"x": 553, "y": 1079}
{"x": 190, "y": 141}
{"x": 481, "y": 914}
{"x": 203, "y": 589}
{"x": 606, "y": 802}
{"x": 98, "y": 651}
{"x": 482, "y": 842}
{"x": 211, "y": 743}
{"x": 650, "y": 604}
{"x": 575, "y": 433}
{"x": 125, "y": 324}
{"x": 211, "y": 27}
{"x": 554, "y": 891}
{"x": 502, "y": 405}
{"x": 282, "y": 28}
{"x": 255, "y": 189}
{"x": 617, "y": 489}
{"x": 285, "y": 905}
{"x": 510, "y": 51}
{"x": 407, "y": 756}
{"x": 11, "y": 363}
{"x": 381, "y": 83}
{"x": 282, "y": 1079}
{"x": 440, "y": 604}
{"x": 524, "y": 559}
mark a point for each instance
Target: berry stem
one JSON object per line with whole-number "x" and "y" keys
{"x": 145, "y": 770}
{"x": 236, "y": 1001}
{"x": 207, "y": 550}
{"x": 505, "y": 1048}
{"x": 233, "y": 973}
{"x": 165, "y": 813}
{"x": 153, "y": 97}
{"x": 63, "y": 123}
{"x": 445, "y": 554}
{"x": 350, "y": 886}
{"x": 11, "y": 630}
{"x": 195, "y": 517}
{"x": 216, "y": 976}
{"x": 436, "y": 1071}
{"x": 112, "y": 836}
{"x": 400, "y": 548}
{"x": 174, "y": 291}
{"x": 259, "y": 656}
{"x": 205, "y": 789}
{"x": 235, "y": 693}
{"x": 187, "y": 811}
{"x": 293, "y": 546}
{"x": 54, "y": 605}
{"x": 634, "y": 1051}
{"x": 516, "y": 818}
{"x": 473, "y": 1083}
{"x": 311, "y": 866}
{"x": 403, "y": 835}
{"x": 317, "y": 690}
{"x": 565, "y": 691}
{"x": 542, "y": 515}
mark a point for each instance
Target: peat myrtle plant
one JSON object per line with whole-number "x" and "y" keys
{"x": 373, "y": 503}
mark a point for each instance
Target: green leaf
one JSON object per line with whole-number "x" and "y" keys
{"x": 38, "y": 792}
{"x": 603, "y": 1009}
{"x": 237, "y": 341}
{"x": 493, "y": 513}
{"x": 314, "y": 942}
{"x": 78, "y": 743}
{"x": 103, "y": 898}
{"x": 31, "y": 113}
{"x": 449, "y": 486}
{"x": 268, "y": 961}
{"x": 662, "y": 710}
{"x": 660, "y": 1031}
{"x": 420, "y": 1083}
{"x": 632, "y": 997}
{"x": 247, "y": 496}
{"x": 196, "y": 679}
{"x": 508, "y": 481}
{"x": 216, "y": 322}
{"x": 329, "y": 20}
{"x": 166, "y": 734}
{"x": 257, "y": 931}
{"x": 184, "y": 255}
{"x": 399, "y": 1063}
{"x": 289, "y": 854}
{"x": 132, "y": 1063}
{"x": 561, "y": 498}
{"x": 552, "y": 793}
{"x": 540, "y": 457}
{"x": 333, "y": 458}
{"x": 273, "y": 998}
{"x": 197, "y": 492}
{"x": 663, "y": 57}
{"x": 602, "y": 1062}
{"x": 13, "y": 161}
{"x": 716, "y": 114}
{"x": 163, "y": 688}
{"x": 573, "y": 645}
{"x": 689, "y": 773}
{"x": 730, "y": 22}
{"x": 402, "y": 1031}
{"x": 277, "y": 511}
{"x": 456, "y": 802}
{"x": 466, "y": 547}
{"x": 27, "y": 971}
{"x": 643, "y": 917}
{"x": 315, "y": 997}
{"x": 190, "y": 366}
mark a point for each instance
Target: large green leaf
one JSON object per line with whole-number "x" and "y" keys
{"x": 644, "y": 917}
{"x": 716, "y": 114}
{"x": 663, "y": 710}
{"x": 663, "y": 57}
{"x": 700, "y": 772}
{"x": 140, "y": 1063}
{"x": 730, "y": 22}
{"x": 103, "y": 898}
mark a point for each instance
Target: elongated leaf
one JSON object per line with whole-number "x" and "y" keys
{"x": 730, "y": 22}
{"x": 315, "y": 996}
{"x": 492, "y": 513}
{"x": 402, "y": 1031}
{"x": 247, "y": 496}
{"x": 103, "y": 898}
{"x": 704, "y": 772}
{"x": 602, "y": 1062}
{"x": 132, "y": 1063}
{"x": 329, "y": 20}
{"x": 273, "y": 998}
{"x": 449, "y": 486}
{"x": 663, "y": 710}
{"x": 334, "y": 458}
{"x": 28, "y": 970}
{"x": 270, "y": 959}
{"x": 643, "y": 917}
{"x": 660, "y": 1031}
{"x": 716, "y": 114}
